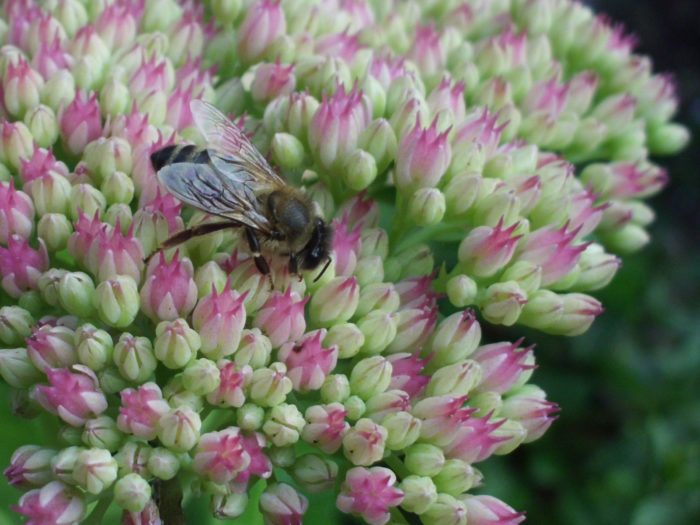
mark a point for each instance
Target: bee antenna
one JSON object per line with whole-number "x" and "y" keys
{"x": 328, "y": 262}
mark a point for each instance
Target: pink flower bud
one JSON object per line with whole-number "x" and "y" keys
{"x": 152, "y": 74}
{"x": 406, "y": 373}
{"x": 337, "y": 124}
{"x": 369, "y": 493}
{"x": 486, "y": 250}
{"x": 30, "y": 465}
{"x": 148, "y": 516}
{"x": 220, "y": 456}
{"x": 417, "y": 292}
{"x": 263, "y": 24}
{"x": 86, "y": 232}
{"x": 359, "y": 212}
{"x": 41, "y": 162}
{"x": 441, "y": 417}
{"x": 414, "y": 327}
{"x": 341, "y": 45}
{"x": 16, "y": 213}
{"x": 51, "y": 57}
{"x": 54, "y": 503}
{"x": 179, "y": 115}
{"x": 75, "y": 397}
{"x": 502, "y": 365}
{"x": 140, "y": 410}
{"x": 187, "y": 36}
{"x": 110, "y": 253}
{"x": 16, "y": 143}
{"x": 21, "y": 266}
{"x": 475, "y": 440}
{"x": 220, "y": 318}
{"x": 281, "y": 318}
{"x": 585, "y": 215}
{"x": 487, "y": 510}
{"x": 423, "y": 157}
{"x": 480, "y": 127}
{"x": 22, "y": 86}
{"x": 260, "y": 466}
{"x": 636, "y": 180}
{"x": 325, "y": 427}
{"x": 52, "y": 347}
{"x": 271, "y": 81}
{"x": 427, "y": 51}
{"x": 169, "y": 291}
{"x": 346, "y": 246}
{"x": 116, "y": 25}
{"x": 553, "y": 250}
{"x": 335, "y": 301}
{"x": 548, "y": 97}
{"x": 233, "y": 380}
{"x": 43, "y": 28}
{"x": 448, "y": 96}
{"x": 308, "y": 363}
{"x": 192, "y": 76}
{"x": 80, "y": 122}
{"x": 280, "y": 504}
{"x": 157, "y": 220}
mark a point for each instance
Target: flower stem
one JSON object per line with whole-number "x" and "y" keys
{"x": 95, "y": 517}
{"x": 169, "y": 498}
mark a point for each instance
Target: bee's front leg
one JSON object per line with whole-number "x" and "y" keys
{"x": 258, "y": 259}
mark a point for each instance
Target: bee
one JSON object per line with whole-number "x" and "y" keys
{"x": 230, "y": 179}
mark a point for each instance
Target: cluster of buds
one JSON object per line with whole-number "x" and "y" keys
{"x": 196, "y": 374}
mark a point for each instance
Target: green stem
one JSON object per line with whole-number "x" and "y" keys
{"x": 169, "y": 498}
{"x": 215, "y": 419}
{"x": 397, "y": 466}
{"x": 434, "y": 233}
{"x": 95, "y": 517}
{"x": 400, "y": 222}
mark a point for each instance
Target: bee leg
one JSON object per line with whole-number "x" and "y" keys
{"x": 328, "y": 262}
{"x": 294, "y": 266}
{"x": 258, "y": 259}
{"x": 190, "y": 233}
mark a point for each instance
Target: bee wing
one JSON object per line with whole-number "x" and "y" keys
{"x": 231, "y": 151}
{"x": 207, "y": 189}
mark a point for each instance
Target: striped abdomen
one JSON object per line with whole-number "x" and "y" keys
{"x": 179, "y": 153}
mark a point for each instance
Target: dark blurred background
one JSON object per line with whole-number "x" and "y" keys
{"x": 626, "y": 447}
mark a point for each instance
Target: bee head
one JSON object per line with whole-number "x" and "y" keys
{"x": 316, "y": 250}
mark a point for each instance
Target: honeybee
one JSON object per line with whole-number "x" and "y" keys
{"x": 229, "y": 178}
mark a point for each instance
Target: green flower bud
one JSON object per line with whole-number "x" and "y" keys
{"x": 118, "y": 188}
{"x": 5, "y": 173}
{"x": 18, "y": 145}
{"x": 250, "y": 417}
{"x": 177, "y": 395}
{"x": 102, "y": 433}
{"x": 283, "y": 457}
{"x": 63, "y": 464}
{"x": 359, "y": 170}
{"x": 375, "y": 242}
{"x": 427, "y": 206}
{"x": 486, "y": 403}
{"x": 457, "y": 477}
{"x": 132, "y": 493}
{"x": 415, "y": 261}
{"x": 335, "y": 388}
{"x": 17, "y": 369}
{"x": 76, "y": 293}
{"x": 114, "y": 97}
{"x": 597, "y": 269}
{"x": 363, "y": 444}
{"x": 628, "y": 239}
{"x": 86, "y": 198}
{"x": 119, "y": 214}
{"x": 455, "y": 380}
{"x": 117, "y": 301}
{"x": 403, "y": 430}
{"x": 207, "y": 276}
{"x": 176, "y": 344}
{"x": 95, "y": 470}
{"x": 270, "y": 386}
{"x": 134, "y": 358}
{"x": 50, "y": 193}
{"x": 254, "y": 350}
{"x": 377, "y": 297}
{"x": 369, "y": 270}
{"x": 58, "y": 90}
{"x": 515, "y": 433}
{"x": 287, "y": 151}
{"x": 314, "y": 473}
{"x": 447, "y": 510}
{"x": 667, "y": 139}
{"x": 32, "y": 302}
{"x": 111, "y": 381}
{"x": 501, "y": 303}
{"x": 15, "y": 325}
{"x": 179, "y": 429}
{"x": 163, "y": 464}
{"x": 133, "y": 457}
{"x": 88, "y": 72}
{"x": 283, "y": 425}
{"x": 42, "y": 123}
{"x": 335, "y": 301}
{"x": 347, "y": 337}
{"x": 419, "y": 493}
{"x": 455, "y": 338}
{"x": 526, "y": 274}
{"x": 54, "y": 229}
{"x": 153, "y": 103}
{"x": 228, "y": 506}
{"x": 355, "y": 408}
{"x": 379, "y": 140}
{"x": 48, "y": 285}
{"x": 370, "y": 376}
{"x": 226, "y": 11}
{"x": 424, "y": 460}
{"x": 71, "y": 435}
{"x": 201, "y": 377}
{"x": 105, "y": 156}
{"x": 379, "y": 329}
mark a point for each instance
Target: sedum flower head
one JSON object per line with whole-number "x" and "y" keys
{"x": 494, "y": 130}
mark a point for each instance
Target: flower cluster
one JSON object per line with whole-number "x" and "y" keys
{"x": 463, "y": 124}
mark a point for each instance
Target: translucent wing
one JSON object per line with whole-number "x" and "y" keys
{"x": 205, "y": 188}
{"x": 231, "y": 151}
